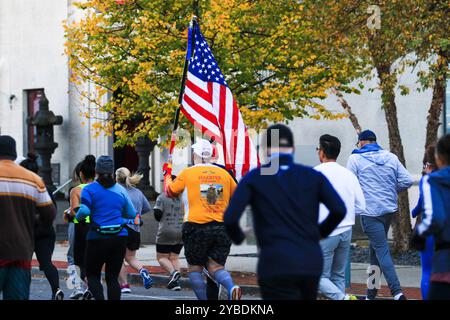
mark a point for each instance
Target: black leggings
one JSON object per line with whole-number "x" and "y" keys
{"x": 289, "y": 288}
{"x": 110, "y": 252}
{"x": 212, "y": 289}
{"x": 79, "y": 247}
{"x": 43, "y": 247}
{"x": 439, "y": 291}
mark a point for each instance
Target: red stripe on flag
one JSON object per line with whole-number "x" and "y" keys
{"x": 199, "y": 91}
{"x": 200, "y": 126}
{"x": 222, "y": 112}
{"x": 235, "y": 125}
{"x": 204, "y": 113}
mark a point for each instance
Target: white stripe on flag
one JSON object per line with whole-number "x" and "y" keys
{"x": 200, "y": 119}
{"x": 198, "y": 82}
{"x": 199, "y": 100}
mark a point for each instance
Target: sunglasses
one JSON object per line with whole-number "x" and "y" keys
{"x": 427, "y": 165}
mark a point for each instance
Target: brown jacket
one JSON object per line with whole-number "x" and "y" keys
{"x": 23, "y": 198}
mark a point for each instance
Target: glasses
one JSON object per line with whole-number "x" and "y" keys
{"x": 427, "y": 164}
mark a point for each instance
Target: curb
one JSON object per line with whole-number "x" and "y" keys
{"x": 159, "y": 281}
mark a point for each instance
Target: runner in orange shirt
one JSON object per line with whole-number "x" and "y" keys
{"x": 206, "y": 190}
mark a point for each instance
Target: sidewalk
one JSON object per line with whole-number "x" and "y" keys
{"x": 242, "y": 265}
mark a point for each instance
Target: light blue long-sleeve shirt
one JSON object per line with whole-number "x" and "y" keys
{"x": 382, "y": 177}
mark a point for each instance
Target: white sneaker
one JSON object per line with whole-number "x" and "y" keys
{"x": 59, "y": 295}
{"x": 76, "y": 294}
{"x": 125, "y": 288}
{"x": 87, "y": 295}
{"x": 176, "y": 275}
{"x": 235, "y": 293}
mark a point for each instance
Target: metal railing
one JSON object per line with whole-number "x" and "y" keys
{"x": 62, "y": 186}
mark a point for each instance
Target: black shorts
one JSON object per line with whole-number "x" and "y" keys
{"x": 169, "y": 248}
{"x": 203, "y": 241}
{"x": 133, "y": 239}
{"x": 79, "y": 243}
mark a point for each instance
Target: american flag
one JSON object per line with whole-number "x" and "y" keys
{"x": 209, "y": 104}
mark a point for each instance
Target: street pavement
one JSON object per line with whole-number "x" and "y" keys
{"x": 40, "y": 290}
{"x": 242, "y": 264}
{"x": 243, "y": 259}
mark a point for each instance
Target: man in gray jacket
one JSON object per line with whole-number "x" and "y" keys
{"x": 382, "y": 177}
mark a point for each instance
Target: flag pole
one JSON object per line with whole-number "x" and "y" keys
{"x": 183, "y": 82}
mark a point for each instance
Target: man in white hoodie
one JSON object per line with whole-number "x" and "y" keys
{"x": 336, "y": 248}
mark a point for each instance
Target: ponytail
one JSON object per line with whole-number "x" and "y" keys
{"x": 134, "y": 180}
{"x": 124, "y": 177}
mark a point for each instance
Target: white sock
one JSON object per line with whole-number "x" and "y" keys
{"x": 398, "y": 295}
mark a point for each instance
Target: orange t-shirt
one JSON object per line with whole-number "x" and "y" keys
{"x": 206, "y": 191}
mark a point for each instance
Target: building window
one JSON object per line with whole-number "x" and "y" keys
{"x": 33, "y": 98}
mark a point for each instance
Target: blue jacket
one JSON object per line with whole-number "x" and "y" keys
{"x": 382, "y": 177}
{"x": 285, "y": 208}
{"x": 106, "y": 207}
{"x": 435, "y": 188}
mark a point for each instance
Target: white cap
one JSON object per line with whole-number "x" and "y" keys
{"x": 203, "y": 148}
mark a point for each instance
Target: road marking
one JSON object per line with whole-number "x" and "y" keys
{"x": 159, "y": 297}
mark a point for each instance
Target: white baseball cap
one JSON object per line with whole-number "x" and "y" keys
{"x": 203, "y": 148}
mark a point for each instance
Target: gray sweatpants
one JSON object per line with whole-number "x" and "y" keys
{"x": 71, "y": 238}
{"x": 376, "y": 229}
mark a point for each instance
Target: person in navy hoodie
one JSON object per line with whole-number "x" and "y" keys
{"x": 426, "y": 256}
{"x": 435, "y": 188}
{"x": 109, "y": 207}
{"x": 285, "y": 198}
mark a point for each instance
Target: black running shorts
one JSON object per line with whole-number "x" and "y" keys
{"x": 169, "y": 248}
{"x": 133, "y": 239}
{"x": 203, "y": 241}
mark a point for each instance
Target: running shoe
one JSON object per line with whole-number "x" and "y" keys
{"x": 235, "y": 293}
{"x": 400, "y": 296}
{"x": 76, "y": 294}
{"x": 59, "y": 295}
{"x": 174, "y": 286}
{"x": 176, "y": 275}
{"x": 125, "y": 288}
{"x": 350, "y": 297}
{"x": 87, "y": 295}
{"x": 148, "y": 282}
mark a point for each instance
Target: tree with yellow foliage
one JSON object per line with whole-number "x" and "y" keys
{"x": 135, "y": 51}
{"x": 385, "y": 37}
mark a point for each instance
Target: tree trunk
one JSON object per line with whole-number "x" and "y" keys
{"x": 402, "y": 222}
{"x": 352, "y": 117}
{"x": 436, "y": 107}
{"x": 437, "y": 103}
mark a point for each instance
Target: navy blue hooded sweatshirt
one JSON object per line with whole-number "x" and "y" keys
{"x": 285, "y": 209}
{"x": 435, "y": 188}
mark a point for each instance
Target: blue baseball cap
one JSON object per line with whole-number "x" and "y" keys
{"x": 105, "y": 164}
{"x": 367, "y": 135}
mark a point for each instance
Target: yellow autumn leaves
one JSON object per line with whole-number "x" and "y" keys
{"x": 267, "y": 50}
